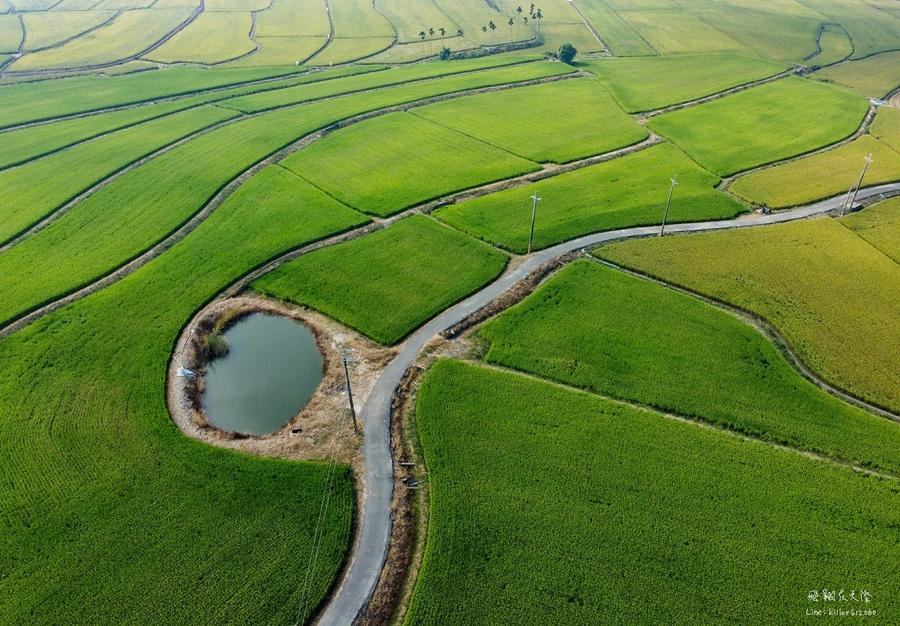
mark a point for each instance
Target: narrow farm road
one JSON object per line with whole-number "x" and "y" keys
{"x": 371, "y": 547}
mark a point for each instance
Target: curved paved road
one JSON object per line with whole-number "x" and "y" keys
{"x": 378, "y": 481}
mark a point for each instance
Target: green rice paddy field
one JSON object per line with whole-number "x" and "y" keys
{"x": 600, "y": 513}
{"x": 764, "y": 124}
{"x": 614, "y": 451}
{"x": 98, "y": 474}
{"x": 628, "y": 191}
{"x": 388, "y": 283}
{"x": 623, "y": 337}
{"x": 800, "y": 276}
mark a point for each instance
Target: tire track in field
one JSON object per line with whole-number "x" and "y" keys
{"x": 213, "y": 203}
{"x": 372, "y": 541}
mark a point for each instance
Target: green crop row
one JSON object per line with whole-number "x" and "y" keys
{"x": 124, "y": 218}
{"x": 833, "y": 296}
{"x": 621, "y": 336}
{"x": 30, "y": 192}
{"x": 371, "y": 166}
{"x": 27, "y": 143}
{"x": 110, "y": 514}
{"x": 628, "y": 191}
{"x": 396, "y": 76}
{"x": 643, "y": 84}
{"x": 550, "y": 506}
{"x": 527, "y": 121}
{"x": 388, "y": 283}
{"x": 764, "y": 124}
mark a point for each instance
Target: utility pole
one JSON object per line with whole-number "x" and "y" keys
{"x": 868, "y": 161}
{"x": 347, "y": 357}
{"x": 182, "y": 371}
{"x": 662, "y": 229}
{"x": 534, "y": 200}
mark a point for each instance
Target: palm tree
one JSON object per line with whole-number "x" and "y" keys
{"x": 540, "y": 16}
{"x": 519, "y": 11}
{"x": 493, "y": 27}
{"x": 459, "y": 32}
{"x": 484, "y": 30}
{"x": 422, "y": 37}
{"x": 525, "y": 20}
{"x": 443, "y": 33}
{"x": 510, "y": 23}
{"x": 430, "y": 40}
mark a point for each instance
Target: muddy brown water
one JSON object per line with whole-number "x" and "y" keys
{"x": 272, "y": 368}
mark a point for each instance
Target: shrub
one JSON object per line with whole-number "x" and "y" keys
{"x": 567, "y": 53}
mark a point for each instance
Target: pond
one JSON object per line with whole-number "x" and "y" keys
{"x": 272, "y": 368}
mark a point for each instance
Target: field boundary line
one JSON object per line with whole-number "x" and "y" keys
{"x": 695, "y": 421}
{"x": 195, "y": 219}
{"x": 768, "y": 330}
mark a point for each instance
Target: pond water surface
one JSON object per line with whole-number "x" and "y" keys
{"x": 272, "y": 368}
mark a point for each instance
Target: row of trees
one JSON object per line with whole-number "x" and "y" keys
{"x": 535, "y": 14}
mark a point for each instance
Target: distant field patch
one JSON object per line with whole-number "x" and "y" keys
{"x": 281, "y": 51}
{"x": 550, "y": 506}
{"x": 345, "y": 50}
{"x": 293, "y": 18}
{"x": 643, "y": 84}
{"x": 677, "y": 31}
{"x": 127, "y": 35}
{"x": 211, "y": 38}
{"x": 764, "y": 124}
{"x": 622, "y": 39}
{"x": 874, "y": 76}
{"x": 387, "y": 283}
{"x": 47, "y": 29}
{"x": 820, "y": 175}
{"x": 814, "y": 280}
{"x": 518, "y": 70}
{"x": 526, "y": 121}
{"x": 628, "y": 191}
{"x": 384, "y": 165}
{"x": 878, "y": 224}
{"x": 624, "y": 337}
{"x": 10, "y": 33}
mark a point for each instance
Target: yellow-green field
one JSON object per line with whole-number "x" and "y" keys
{"x": 814, "y": 280}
